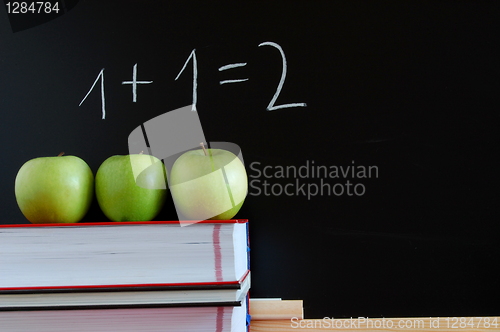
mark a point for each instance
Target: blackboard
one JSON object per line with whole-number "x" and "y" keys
{"x": 409, "y": 90}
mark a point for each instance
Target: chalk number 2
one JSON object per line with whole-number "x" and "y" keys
{"x": 272, "y": 106}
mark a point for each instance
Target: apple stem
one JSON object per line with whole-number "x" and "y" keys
{"x": 203, "y": 147}
{"x": 60, "y": 154}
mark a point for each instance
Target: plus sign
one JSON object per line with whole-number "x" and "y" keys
{"x": 134, "y": 83}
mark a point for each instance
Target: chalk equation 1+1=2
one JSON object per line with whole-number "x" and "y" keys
{"x": 192, "y": 57}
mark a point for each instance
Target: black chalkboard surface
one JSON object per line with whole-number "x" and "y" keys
{"x": 398, "y": 100}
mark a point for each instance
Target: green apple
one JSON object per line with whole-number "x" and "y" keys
{"x": 54, "y": 189}
{"x": 208, "y": 184}
{"x": 131, "y": 187}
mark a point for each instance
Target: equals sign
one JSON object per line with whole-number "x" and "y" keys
{"x": 231, "y": 66}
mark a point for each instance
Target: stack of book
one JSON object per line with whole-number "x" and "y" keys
{"x": 126, "y": 276}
